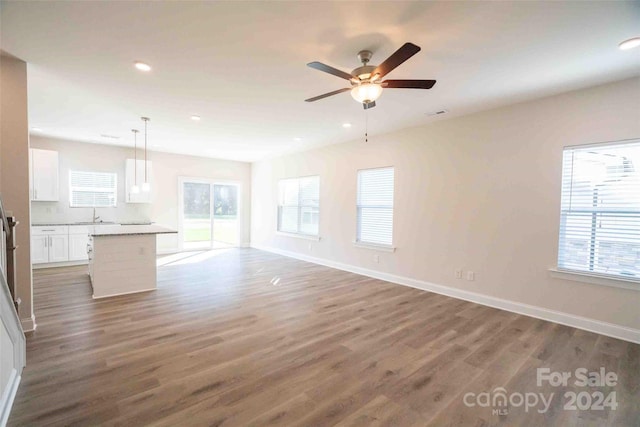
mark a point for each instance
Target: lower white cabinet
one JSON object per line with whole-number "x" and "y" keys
{"x": 59, "y": 248}
{"x": 39, "y": 249}
{"x": 78, "y": 246}
{"x": 49, "y": 244}
{"x": 60, "y": 243}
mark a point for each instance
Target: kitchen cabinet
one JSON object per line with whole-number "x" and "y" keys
{"x": 78, "y": 241}
{"x": 49, "y": 244}
{"x": 59, "y": 248}
{"x": 44, "y": 175}
{"x": 39, "y": 249}
{"x": 136, "y": 175}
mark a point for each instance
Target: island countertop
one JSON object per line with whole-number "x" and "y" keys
{"x": 128, "y": 230}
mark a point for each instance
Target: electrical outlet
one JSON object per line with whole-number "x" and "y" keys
{"x": 471, "y": 276}
{"x": 376, "y": 259}
{"x": 459, "y": 274}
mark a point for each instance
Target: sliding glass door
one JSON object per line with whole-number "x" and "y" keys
{"x": 209, "y": 214}
{"x": 226, "y": 231}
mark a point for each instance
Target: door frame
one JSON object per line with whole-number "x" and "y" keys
{"x": 211, "y": 182}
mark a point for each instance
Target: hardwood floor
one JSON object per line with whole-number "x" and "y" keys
{"x": 247, "y": 338}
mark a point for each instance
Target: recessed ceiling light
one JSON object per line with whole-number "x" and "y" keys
{"x": 630, "y": 44}
{"x": 36, "y": 129}
{"x": 107, "y": 136}
{"x": 142, "y": 66}
{"x": 346, "y": 125}
{"x": 195, "y": 118}
{"x": 297, "y": 139}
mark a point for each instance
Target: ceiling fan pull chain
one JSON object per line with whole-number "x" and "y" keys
{"x": 366, "y": 126}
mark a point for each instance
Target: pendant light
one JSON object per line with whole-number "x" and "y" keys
{"x": 134, "y": 188}
{"x": 146, "y": 187}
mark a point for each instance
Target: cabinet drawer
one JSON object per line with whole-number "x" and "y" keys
{"x": 39, "y": 230}
{"x": 79, "y": 229}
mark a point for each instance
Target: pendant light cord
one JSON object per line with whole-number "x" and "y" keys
{"x": 135, "y": 157}
{"x": 145, "y": 150}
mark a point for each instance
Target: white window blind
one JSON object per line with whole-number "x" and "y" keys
{"x": 375, "y": 206}
{"x": 92, "y": 189}
{"x": 299, "y": 205}
{"x": 600, "y": 210}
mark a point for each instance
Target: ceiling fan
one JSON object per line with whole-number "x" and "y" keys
{"x": 366, "y": 84}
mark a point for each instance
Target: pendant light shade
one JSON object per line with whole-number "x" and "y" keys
{"x": 134, "y": 188}
{"x": 146, "y": 187}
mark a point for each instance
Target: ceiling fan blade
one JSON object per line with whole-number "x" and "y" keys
{"x": 335, "y": 92}
{"x": 369, "y": 105}
{"x": 398, "y": 57}
{"x": 408, "y": 84}
{"x": 327, "y": 69}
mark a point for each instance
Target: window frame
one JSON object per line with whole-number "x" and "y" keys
{"x": 588, "y": 276}
{"x": 364, "y": 243}
{"x": 71, "y": 189}
{"x": 299, "y": 207}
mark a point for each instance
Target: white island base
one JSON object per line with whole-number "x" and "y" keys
{"x": 123, "y": 262}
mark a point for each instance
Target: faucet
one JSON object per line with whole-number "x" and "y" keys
{"x": 95, "y": 218}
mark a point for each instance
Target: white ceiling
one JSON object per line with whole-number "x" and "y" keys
{"x": 241, "y": 65}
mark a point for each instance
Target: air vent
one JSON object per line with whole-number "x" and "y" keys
{"x": 104, "y": 135}
{"x": 437, "y": 113}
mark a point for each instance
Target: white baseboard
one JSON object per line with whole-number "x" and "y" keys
{"x": 59, "y": 264}
{"x": 8, "y": 396}
{"x": 587, "y": 324}
{"x": 29, "y": 324}
{"x": 171, "y": 251}
{"x": 123, "y": 293}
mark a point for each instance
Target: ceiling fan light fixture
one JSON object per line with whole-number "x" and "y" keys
{"x": 366, "y": 92}
{"x": 629, "y": 44}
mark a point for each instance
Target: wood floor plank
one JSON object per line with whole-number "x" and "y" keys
{"x": 243, "y": 337}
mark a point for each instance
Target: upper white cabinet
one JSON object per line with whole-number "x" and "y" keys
{"x": 132, "y": 173}
{"x": 44, "y": 175}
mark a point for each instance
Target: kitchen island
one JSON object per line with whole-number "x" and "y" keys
{"x": 122, "y": 258}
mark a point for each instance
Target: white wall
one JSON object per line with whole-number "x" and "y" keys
{"x": 166, "y": 170}
{"x": 480, "y": 192}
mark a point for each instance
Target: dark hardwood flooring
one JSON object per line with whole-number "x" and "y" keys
{"x": 246, "y": 338}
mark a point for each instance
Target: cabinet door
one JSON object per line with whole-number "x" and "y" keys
{"x": 44, "y": 167}
{"x": 130, "y": 179}
{"x": 78, "y": 247}
{"x": 59, "y": 248}
{"x": 39, "y": 249}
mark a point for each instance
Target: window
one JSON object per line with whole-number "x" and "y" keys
{"x": 92, "y": 189}
{"x": 600, "y": 210}
{"x": 375, "y": 206}
{"x": 299, "y": 205}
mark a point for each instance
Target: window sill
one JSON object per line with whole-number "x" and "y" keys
{"x": 299, "y": 236}
{"x": 374, "y": 247}
{"x": 616, "y": 282}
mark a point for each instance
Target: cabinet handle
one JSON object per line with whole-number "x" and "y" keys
{"x": 35, "y": 192}
{"x": 46, "y": 242}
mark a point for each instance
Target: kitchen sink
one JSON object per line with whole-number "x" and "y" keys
{"x": 95, "y": 223}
